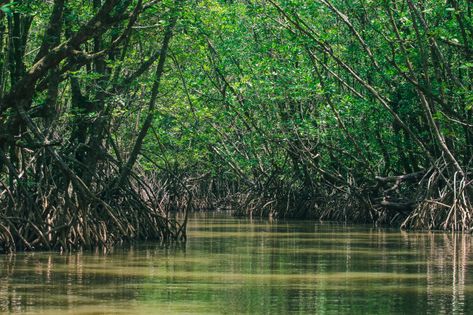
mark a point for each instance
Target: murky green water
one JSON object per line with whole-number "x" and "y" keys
{"x": 234, "y": 266}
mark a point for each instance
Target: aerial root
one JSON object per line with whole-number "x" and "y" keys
{"x": 445, "y": 201}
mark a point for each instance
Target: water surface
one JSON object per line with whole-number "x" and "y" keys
{"x": 231, "y": 266}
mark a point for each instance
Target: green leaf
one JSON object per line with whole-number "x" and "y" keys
{"x": 6, "y": 8}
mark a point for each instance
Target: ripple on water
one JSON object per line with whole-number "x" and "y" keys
{"x": 234, "y": 266}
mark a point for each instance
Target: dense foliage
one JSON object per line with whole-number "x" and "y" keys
{"x": 115, "y": 112}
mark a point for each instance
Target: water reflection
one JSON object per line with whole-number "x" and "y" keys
{"x": 236, "y": 266}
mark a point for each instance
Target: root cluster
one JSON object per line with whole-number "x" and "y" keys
{"x": 46, "y": 206}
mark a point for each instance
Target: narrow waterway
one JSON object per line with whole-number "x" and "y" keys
{"x": 234, "y": 266}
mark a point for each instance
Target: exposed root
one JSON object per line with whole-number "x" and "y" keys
{"x": 51, "y": 210}
{"x": 445, "y": 201}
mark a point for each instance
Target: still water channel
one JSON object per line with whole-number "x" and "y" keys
{"x": 235, "y": 266}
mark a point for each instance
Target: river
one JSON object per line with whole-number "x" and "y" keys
{"x": 233, "y": 266}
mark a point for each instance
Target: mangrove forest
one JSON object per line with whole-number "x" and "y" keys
{"x": 119, "y": 118}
